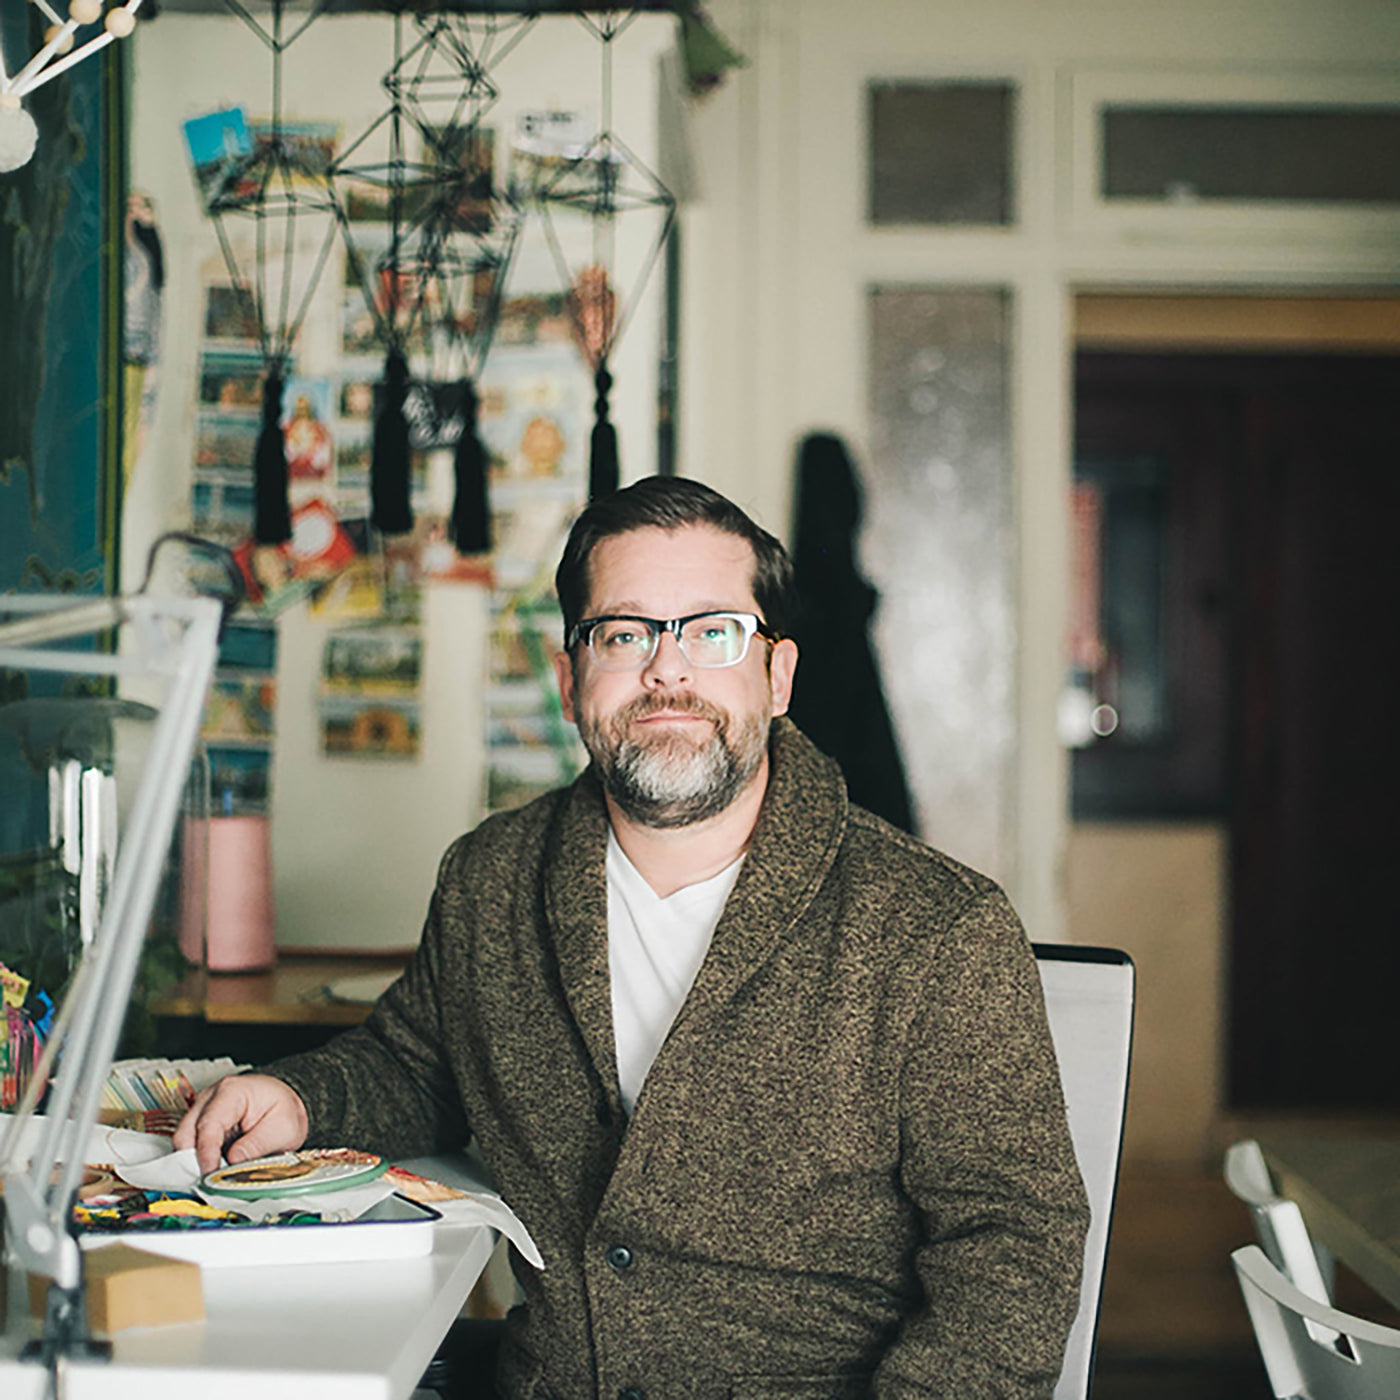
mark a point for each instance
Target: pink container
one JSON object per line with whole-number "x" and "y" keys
{"x": 234, "y": 869}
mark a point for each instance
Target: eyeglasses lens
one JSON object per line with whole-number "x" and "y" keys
{"x": 624, "y": 644}
{"x": 712, "y": 641}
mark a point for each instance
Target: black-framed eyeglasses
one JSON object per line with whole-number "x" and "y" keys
{"x": 707, "y": 639}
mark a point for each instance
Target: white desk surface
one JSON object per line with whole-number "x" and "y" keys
{"x": 343, "y": 1331}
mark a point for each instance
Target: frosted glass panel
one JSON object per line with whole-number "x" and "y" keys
{"x": 939, "y": 545}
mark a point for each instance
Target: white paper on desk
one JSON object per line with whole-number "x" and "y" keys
{"x": 175, "y": 1171}
{"x": 364, "y": 990}
{"x": 102, "y": 1145}
{"x": 486, "y": 1208}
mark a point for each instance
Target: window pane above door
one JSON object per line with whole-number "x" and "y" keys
{"x": 1342, "y": 155}
{"x": 941, "y": 152}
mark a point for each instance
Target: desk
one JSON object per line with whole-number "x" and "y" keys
{"x": 305, "y": 1332}
{"x": 259, "y": 1016}
{"x": 290, "y": 993}
{"x": 1348, "y": 1187}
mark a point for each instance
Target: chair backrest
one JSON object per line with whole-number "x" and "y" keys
{"x": 1277, "y": 1221}
{"x": 1363, "y": 1363}
{"x": 1089, "y": 1000}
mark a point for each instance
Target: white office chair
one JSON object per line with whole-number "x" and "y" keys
{"x": 1089, "y": 1000}
{"x": 1278, "y": 1222}
{"x": 1361, "y": 1363}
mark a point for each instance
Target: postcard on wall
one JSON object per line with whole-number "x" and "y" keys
{"x": 308, "y": 145}
{"x": 320, "y": 545}
{"x": 239, "y": 780}
{"x": 359, "y": 727}
{"x": 230, "y": 315}
{"x": 222, "y": 510}
{"x": 225, "y": 444}
{"x": 547, "y": 141}
{"x": 372, "y": 661}
{"x": 355, "y": 594}
{"x": 250, "y": 648}
{"x": 306, "y": 419}
{"x": 239, "y": 710}
{"x": 231, "y": 379}
{"x": 220, "y": 145}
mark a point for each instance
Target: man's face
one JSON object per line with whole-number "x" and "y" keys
{"x": 676, "y": 743}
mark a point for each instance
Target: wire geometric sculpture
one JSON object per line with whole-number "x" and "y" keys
{"x": 283, "y": 191}
{"x": 435, "y": 290}
{"x": 605, "y": 182}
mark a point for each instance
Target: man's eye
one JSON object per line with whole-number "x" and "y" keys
{"x": 621, "y": 639}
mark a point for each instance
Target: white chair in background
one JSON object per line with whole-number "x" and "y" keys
{"x": 1278, "y": 1222}
{"x": 1360, "y": 1362}
{"x": 1089, "y": 1001}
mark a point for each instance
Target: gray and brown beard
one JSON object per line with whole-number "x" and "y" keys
{"x": 669, "y": 780}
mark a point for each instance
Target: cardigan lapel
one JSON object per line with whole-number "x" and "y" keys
{"x": 576, "y": 901}
{"x": 799, "y": 831}
{"x": 794, "y": 844}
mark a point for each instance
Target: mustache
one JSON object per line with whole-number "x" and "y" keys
{"x": 682, "y": 702}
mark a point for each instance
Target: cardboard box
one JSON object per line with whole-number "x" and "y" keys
{"x": 128, "y": 1287}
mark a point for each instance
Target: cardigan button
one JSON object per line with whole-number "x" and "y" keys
{"x": 631, "y": 1392}
{"x": 619, "y": 1259}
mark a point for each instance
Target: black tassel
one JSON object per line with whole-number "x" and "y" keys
{"x": 471, "y": 510}
{"x": 272, "y": 516}
{"x": 390, "y": 511}
{"x": 602, "y": 456}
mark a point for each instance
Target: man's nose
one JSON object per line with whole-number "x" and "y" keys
{"x": 668, "y": 665}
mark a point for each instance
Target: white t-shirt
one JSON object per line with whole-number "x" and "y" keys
{"x": 655, "y": 948}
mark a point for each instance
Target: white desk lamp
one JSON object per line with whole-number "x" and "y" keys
{"x": 173, "y": 641}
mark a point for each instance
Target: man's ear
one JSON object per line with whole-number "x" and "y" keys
{"x": 782, "y": 667}
{"x": 564, "y": 675}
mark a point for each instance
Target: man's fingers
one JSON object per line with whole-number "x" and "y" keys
{"x": 211, "y": 1133}
{"x": 241, "y": 1117}
{"x": 265, "y": 1136}
{"x": 184, "y": 1133}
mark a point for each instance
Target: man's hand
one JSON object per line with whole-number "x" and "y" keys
{"x": 241, "y": 1117}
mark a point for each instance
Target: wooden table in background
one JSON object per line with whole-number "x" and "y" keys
{"x": 1348, "y": 1187}
{"x": 257, "y": 1016}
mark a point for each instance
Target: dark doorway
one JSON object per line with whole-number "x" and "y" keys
{"x": 1278, "y": 634}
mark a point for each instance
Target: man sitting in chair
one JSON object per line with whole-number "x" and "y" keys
{"x": 768, "y": 1081}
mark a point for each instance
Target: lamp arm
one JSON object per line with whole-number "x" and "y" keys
{"x": 89, "y": 1023}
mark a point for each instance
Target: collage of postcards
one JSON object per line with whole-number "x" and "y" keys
{"x": 534, "y": 392}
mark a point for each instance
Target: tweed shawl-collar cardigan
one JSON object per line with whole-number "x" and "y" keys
{"x": 848, "y": 1172}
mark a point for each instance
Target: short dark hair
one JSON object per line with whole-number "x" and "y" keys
{"x": 671, "y": 503}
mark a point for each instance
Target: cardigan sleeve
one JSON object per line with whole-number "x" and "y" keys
{"x": 385, "y": 1086}
{"x": 992, "y": 1173}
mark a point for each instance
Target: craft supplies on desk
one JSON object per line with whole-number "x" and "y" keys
{"x": 152, "y": 1095}
{"x": 158, "y": 1204}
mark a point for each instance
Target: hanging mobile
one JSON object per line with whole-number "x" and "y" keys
{"x": 607, "y": 180}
